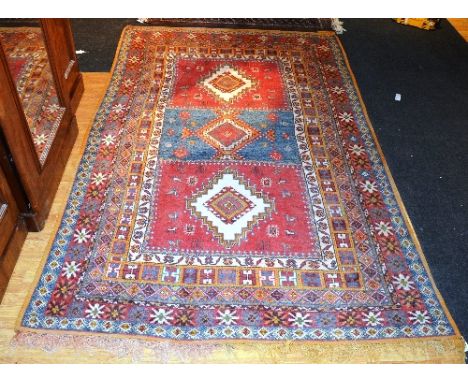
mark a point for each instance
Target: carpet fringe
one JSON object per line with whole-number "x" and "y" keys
{"x": 416, "y": 350}
{"x": 337, "y": 26}
{"x": 121, "y": 348}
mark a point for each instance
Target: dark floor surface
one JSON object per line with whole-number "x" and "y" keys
{"x": 424, "y": 137}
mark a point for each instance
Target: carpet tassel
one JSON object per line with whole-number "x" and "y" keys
{"x": 337, "y": 26}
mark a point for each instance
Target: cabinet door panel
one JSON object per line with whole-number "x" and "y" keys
{"x": 40, "y": 181}
{"x": 61, "y": 47}
{"x": 28, "y": 60}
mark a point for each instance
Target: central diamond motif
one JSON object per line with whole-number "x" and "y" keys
{"x": 227, "y": 135}
{"x": 230, "y": 207}
{"x": 227, "y": 83}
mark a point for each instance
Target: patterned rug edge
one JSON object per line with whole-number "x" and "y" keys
{"x": 442, "y": 349}
{"x": 125, "y": 349}
{"x": 323, "y": 24}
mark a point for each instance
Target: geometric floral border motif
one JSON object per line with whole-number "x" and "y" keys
{"x": 336, "y": 134}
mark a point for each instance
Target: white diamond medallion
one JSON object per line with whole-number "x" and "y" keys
{"x": 227, "y": 83}
{"x": 230, "y": 207}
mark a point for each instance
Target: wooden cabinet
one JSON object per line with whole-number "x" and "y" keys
{"x": 40, "y": 88}
{"x": 9, "y": 212}
{"x": 12, "y": 224}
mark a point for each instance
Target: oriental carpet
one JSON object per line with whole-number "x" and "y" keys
{"x": 26, "y": 55}
{"x": 296, "y": 24}
{"x": 233, "y": 198}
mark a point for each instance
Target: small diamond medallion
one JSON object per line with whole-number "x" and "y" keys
{"x": 227, "y": 134}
